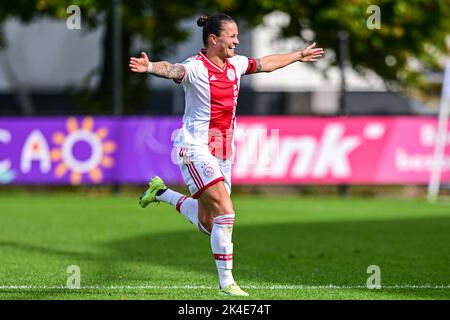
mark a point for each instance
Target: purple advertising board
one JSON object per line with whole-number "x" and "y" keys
{"x": 86, "y": 150}
{"x": 307, "y": 150}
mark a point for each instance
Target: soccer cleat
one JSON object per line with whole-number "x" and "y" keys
{"x": 148, "y": 196}
{"x": 233, "y": 290}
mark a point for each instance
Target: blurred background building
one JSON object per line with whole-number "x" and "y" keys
{"x": 44, "y": 63}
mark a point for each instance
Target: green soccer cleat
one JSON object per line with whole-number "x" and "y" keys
{"x": 156, "y": 184}
{"x": 233, "y": 290}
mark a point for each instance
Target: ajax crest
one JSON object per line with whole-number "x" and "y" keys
{"x": 208, "y": 172}
{"x": 231, "y": 75}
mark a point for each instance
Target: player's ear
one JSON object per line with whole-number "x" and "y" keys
{"x": 212, "y": 39}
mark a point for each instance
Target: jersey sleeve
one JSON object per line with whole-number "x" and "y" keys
{"x": 244, "y": 65}
{"x": 190, "y": 68}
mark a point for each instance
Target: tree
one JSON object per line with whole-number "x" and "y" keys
{"x": 410, "y": 31}
{"x": 154, "y": 21}
{"x": 411, "y": 41}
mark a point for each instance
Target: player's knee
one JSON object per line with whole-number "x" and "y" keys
{"x": 217, "y": 199}
{"x": 221, "y": 205}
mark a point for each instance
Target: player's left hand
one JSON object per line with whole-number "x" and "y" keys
{"x": 311, "y": 53}
{"x": 139, "y": 64}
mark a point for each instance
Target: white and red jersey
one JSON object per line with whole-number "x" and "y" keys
{"x": 211, "y": 94}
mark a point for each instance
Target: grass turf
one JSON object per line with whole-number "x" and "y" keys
{"x": 285, "y": 248}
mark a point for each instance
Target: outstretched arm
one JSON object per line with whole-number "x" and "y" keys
{"x": 161, "y": 69}
{"x": 278, "y": 61}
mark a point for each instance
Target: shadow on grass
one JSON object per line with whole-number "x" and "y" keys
{"x": 409, "y": 252}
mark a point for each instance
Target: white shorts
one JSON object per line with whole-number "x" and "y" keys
{"x": 201, "y": 169}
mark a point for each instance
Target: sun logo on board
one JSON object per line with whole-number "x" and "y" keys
{"x": 82, "y": 151}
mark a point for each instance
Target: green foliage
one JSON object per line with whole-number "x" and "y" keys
{"x": 154, "y": 22}
{"x": 410, "y": 30}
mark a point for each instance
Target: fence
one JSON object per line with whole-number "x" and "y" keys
{"x": 269, "y": 150}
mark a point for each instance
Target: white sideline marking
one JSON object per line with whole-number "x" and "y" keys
{"x": 274, "y": 287}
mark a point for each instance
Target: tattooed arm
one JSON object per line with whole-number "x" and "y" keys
{"x": 277, "y": 61}
{"x": 161, "y": 69}
{"x": 167, "y": 70}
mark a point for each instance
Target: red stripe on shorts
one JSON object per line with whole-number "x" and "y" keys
{"x": 195, "y": 176}
{"x": 198, "y": 175}
{"x": 200, "y": 191}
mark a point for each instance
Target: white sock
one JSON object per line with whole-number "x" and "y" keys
{"x": 222, "y": 247}
{"x": 188, "y": 207}
{"x": 169, "y": 196}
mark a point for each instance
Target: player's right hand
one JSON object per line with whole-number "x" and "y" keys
{"x": 139, "y": 64}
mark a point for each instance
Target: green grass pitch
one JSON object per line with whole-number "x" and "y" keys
{"x": 285, "y": 248}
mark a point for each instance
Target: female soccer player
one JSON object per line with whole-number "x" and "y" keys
{"x": 205, "y": 143}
